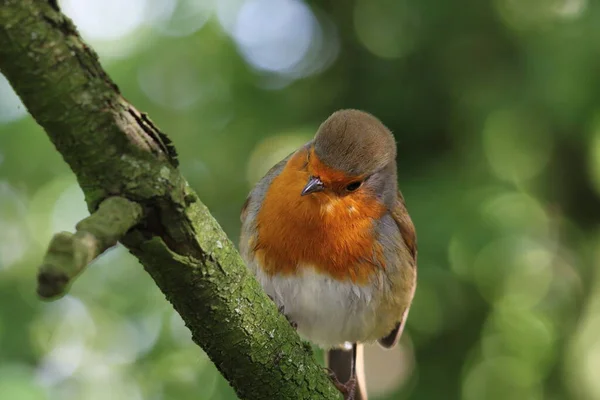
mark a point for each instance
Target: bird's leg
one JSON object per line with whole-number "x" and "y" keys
{"x": 281, "y": 309}
{"x": 347, "y": 389}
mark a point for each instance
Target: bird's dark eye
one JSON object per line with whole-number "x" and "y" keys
{"x": 353, "y": 186}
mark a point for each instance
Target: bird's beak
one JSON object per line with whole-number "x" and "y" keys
{"x": 313, "y": 185}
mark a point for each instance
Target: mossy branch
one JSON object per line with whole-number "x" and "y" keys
{"x": 117, "y": 152}
{"x": 68, "y": 254}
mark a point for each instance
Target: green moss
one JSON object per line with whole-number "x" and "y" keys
{"x": 116, "y": 151}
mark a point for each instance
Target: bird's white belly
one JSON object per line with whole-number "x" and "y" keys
{"x": 328, "y": 312}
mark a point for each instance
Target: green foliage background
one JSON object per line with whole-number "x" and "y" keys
{"x": 495, "y": 110}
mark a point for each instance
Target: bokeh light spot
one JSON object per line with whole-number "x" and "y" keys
{"x": 515, "y": 262}
{"x": 179, "y": 17}
{"x": 387, "y": 370}
{"x": 109, "y": 25}
{"x": 62, "y": 334}
{"x": 517, "y": 145}
{"x": 56, "y": 206}
{"x": 69, "y": 209}
{"x": 516, "y": 212}
{"x": 570, "y": 9}
{"x": 530, "y": 281}
{"x": 501, "y": 378}
{"x": 106, "y": 19}
{"x": 583, "y": 351}
{"x": 522, "y": 333}
{"x": 584, "y": 356}
{"x": 538, "y": 14}
{"x": 61, "y": 362}
{"x": 227, "y": 14}
{"x": 274, "y": 35}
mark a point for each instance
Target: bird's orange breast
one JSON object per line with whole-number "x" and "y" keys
{"x": 331, "y": 233}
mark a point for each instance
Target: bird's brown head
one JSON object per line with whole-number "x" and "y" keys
{"x": 352, "y": 152}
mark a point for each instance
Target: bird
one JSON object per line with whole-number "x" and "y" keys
{"x": 328, "y": 236}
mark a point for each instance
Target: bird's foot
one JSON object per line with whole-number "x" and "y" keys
{"x": 281, "y": 309}
{"x": 293, "y": 324}
{"x": 347, "y": 389}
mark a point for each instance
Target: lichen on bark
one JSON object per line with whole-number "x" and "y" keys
{"x": 114, "y": 150}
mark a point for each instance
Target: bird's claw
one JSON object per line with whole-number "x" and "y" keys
{"x": 293, "y": 324}
{"x": 281, "y": 309}
{"x": 347, "y": 389}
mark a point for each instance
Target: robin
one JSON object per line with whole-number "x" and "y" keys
{"x": 328, "y": 236}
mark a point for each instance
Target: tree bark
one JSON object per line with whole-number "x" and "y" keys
{"x": 116, "y": 151}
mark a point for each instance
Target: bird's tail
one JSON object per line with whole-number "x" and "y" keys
{"x": 340, "y": 361}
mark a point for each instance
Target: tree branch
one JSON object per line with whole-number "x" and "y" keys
{"x": 68, "y": 253}
{"x": 114, "y": 150}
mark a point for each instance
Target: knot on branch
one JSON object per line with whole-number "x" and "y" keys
{"x": 69, "y": 253}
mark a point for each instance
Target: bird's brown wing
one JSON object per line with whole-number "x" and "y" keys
{"x": 244, "y": 211}
{"x": 259, "y": 190}
{"x": 407, "y": 231}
